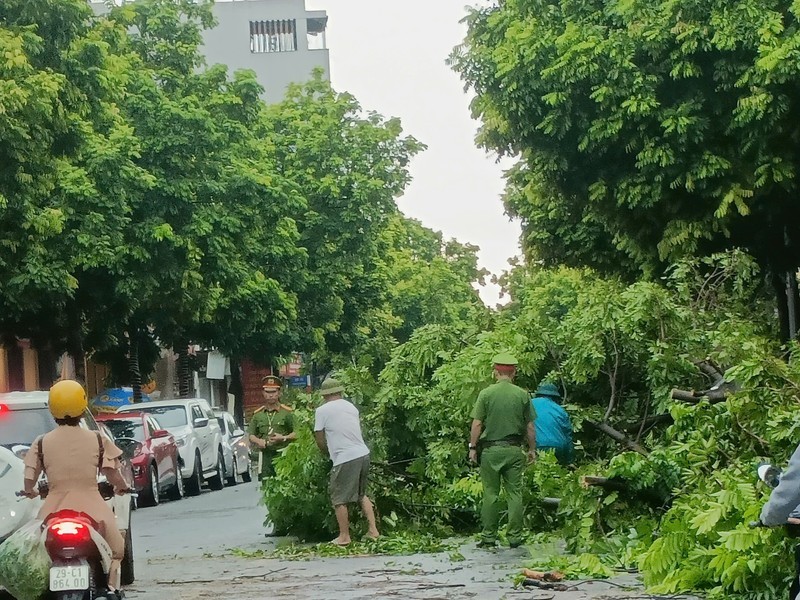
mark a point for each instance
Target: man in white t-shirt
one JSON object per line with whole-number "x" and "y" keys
{"x": 337, "y": 429}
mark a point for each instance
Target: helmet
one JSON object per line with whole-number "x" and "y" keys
{"x": 67, "y": 399}
{"x": 504, "y": 358}
{"x": 548, "y": 389}
{"x": 330, "y": 386}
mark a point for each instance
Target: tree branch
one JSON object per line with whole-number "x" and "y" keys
{"x": 619, "y": 437}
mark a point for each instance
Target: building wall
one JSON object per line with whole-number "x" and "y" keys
{"x": 229, "y": 43}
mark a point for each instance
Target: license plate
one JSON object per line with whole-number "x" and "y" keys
{"x": 69, "y": 578}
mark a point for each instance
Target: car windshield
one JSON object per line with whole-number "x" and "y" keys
{"x": 168, "y": 416}
{"x": 126, "y": 428}
{"x": 24, "y": 426}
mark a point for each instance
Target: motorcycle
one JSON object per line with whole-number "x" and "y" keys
{"x": 80, "y": 555}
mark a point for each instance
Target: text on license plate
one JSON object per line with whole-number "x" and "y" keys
{"x": 69, "y": 578}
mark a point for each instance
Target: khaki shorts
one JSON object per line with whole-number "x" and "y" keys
{"x": 349, "y": 481}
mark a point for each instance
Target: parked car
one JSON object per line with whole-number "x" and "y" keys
{"x": 24, "y": 416}
{"x": 197, "y": 435}
{"x": 15, "y": 511}
{"x": 235, "y": 448}
{"x": 154, "y": 455}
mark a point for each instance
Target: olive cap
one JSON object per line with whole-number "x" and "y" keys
{"x": 504, "y": 358}
{"x": 331, "y": 386}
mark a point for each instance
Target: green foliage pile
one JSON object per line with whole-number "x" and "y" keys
{"x": 685, "y": 484}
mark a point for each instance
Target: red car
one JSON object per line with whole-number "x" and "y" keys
{"x": 153, "y": 452}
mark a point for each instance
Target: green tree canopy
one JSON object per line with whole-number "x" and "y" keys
{"x": 646, "y": 131}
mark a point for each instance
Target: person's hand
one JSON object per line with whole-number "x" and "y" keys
{"x": 28, "y": 494}
{"x": 531, "y": 456}
{"x": 473, "y": 456}
{"x": 276, "y": 438}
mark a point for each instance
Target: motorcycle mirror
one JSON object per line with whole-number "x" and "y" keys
{"x": 769, "y": 474}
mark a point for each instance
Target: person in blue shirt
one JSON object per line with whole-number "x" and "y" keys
{"x": 553, "y": 427}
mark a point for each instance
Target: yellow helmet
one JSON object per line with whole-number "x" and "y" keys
{"x": 67, "y": 399}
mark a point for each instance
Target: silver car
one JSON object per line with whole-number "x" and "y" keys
{"x": 235, "y": 447}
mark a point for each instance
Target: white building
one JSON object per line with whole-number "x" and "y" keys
{"x": 278, "y": 39}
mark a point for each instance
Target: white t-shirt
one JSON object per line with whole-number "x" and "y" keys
{"x": 339, "y": 420}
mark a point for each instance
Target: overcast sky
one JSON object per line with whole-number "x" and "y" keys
{"x": 391, "y": 57}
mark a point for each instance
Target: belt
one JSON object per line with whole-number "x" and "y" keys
{"x": 504, "y": 442}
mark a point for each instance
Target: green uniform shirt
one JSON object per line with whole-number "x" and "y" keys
{"x": 505, "y": 411}
{"x": 267, "y": 422}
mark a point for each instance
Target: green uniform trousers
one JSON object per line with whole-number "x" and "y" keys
{"x": 502, "y": 463}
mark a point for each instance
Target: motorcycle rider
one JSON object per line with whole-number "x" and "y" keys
{"x": 70, "y": 456}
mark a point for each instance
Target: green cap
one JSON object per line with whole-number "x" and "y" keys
{"x": 548, "y": 389}
{"x": 330, "y": 386}
{"x": 504, "y": 358}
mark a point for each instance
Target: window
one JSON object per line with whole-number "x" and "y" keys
{"x": 273, "y": 36}
{"x": 315, "y": 30}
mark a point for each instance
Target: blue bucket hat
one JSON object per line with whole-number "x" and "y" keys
{"x": 548, "y": 389}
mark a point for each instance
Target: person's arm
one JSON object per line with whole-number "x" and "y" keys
{"x": 319, "y": 436}
{"x": 786, "y": 497}
{"x": 111, "y": 467}
{"x": 33, "y": 469}
{"x": 292, "y": 435}
{"x": 531, "y": 435}
{"x": 280, "y": 438}
{"x": 254, "y": 439}
{"x": 530, "y": 428}
{"x": 115, "y": 478}
{"x": 474, "y": 436}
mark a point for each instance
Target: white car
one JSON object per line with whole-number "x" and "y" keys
{"x": 25, "y": 417}
{"x": 235, "y": 447}
{"x": 197, "y": 434}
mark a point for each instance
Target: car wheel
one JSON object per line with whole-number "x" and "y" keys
{"x": 217, "y": 482}
{"x": 177, "y": 491}
{"x": 126, "y": 569}
{"x": 152, "y": 493}
{"x": 192, "y": 485}
{"x": 234, "y": 478}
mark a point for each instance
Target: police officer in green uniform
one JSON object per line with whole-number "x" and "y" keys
{"x": 272, "y": 426}
{"x": 502, "y": 422}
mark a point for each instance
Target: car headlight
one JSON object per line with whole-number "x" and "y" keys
{"x": 21, "y": 452}
{"x": 180, "y": 441}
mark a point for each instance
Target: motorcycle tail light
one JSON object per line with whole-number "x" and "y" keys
{"x": 69, "y": 533}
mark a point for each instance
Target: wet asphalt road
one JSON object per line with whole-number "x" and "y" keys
{"x": 183, "y": 551}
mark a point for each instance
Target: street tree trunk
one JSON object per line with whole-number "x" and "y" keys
{"x": 133, "y": 364}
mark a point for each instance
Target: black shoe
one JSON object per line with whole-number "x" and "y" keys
{"x": 486, "y": 544}
{"x": 514, "y": 544}
{"x": 115, "y": 595}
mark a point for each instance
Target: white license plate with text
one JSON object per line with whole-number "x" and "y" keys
{"x": 73, "y": 577}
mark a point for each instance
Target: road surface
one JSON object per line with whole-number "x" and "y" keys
{"x": 183, "y": 550}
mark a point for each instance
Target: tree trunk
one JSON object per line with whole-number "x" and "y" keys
{"x": 75, "y": 349}
{"x": 793, "y": 303}
{"x": 133, "y": 365}
{"x": 781, "y": 304}
{"x": 237, "y": 389}
{"x": 184, "y": 386}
